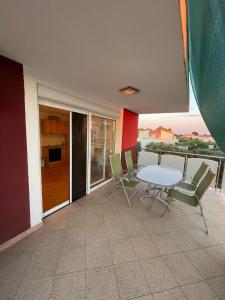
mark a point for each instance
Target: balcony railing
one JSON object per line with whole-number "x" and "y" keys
{"x": 188, "y": 163}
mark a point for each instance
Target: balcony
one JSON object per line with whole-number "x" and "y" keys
{"x": 98, "y": 248}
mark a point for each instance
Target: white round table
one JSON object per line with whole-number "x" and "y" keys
{"x": 161, "y": 177}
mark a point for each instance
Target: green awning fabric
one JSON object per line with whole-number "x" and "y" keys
{"x": 206, "y": 43}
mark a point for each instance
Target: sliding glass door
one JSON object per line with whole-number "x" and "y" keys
{"x": 102, "y": 146}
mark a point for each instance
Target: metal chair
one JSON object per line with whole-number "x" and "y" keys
{"x": 121, "y": 180}
{"x": 131, "y": 169}
{"x": 191, "y": 186}
{"x": 193, "y": 200}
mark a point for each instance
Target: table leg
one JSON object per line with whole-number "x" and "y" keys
{"x": 162, "y": 200}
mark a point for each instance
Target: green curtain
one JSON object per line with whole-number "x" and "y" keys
{"x": 206, "y": 46}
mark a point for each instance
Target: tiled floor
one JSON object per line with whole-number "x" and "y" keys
{"x": 98, "y": 248}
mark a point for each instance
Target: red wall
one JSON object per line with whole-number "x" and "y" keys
{"x": 14, "y": 196}
{"x": 130, "y": 129}
{"x": 129, "y": 134}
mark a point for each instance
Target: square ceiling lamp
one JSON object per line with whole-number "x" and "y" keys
{"x": 129, "y": 90}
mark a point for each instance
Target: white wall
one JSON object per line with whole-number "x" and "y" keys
{"x": 33, "y": 148}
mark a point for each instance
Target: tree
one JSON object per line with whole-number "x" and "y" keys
{"x": 195, "y": 133}
{"x": 139, "y": 146}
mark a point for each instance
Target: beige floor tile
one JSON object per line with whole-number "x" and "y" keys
{"x": 181, "y": 268}
{"x": 69, "y": 287}
{"x": 199, "y": 290}
{"x": 96, "y": 234}
{"x": 165, "y": 244}
{"x": 172, "y": 294}
{"x": 147, "y": 297}
{"x": 141, "y": 212}
{"x": 158, "y": 274}
{"x": 131, "y": 280}
{"x": 26, "y": 245}
{"x": 144, "y": 247}
{"x": 122, "y": 251}
{"x": 38, "y": 289}
{"x": 51, "y": 239}
{"x": 170, "y": 224}
{"x": 217, "y": 284}
{"x": 74, "y": 237}
{"x": 135, "y": 229}
{"x": 185, "y": 222}
{"x": 217, "y": 234}
{"x": 184, "y": 240}
{"x": 201, "y": 237}
{"x": 8, "y": 291}
{"x": 71, "y": 260}
{"x": 77, "y": 219}
{"x": 127, "y": 215}
{"x": 112, "y": 218}
{"x": 13, "y": 267}
{"x": 218, "y": 254}
{"x": 43, "y": 264}
{"x": 197, "y": 219}
{"x": 60, "y": 243}
{"x": 101, "y": 284}
{"x": 153, "y": 226}
{"x": 95, "y": 220}
{"x": 215, "y": 219}
{"x": 117, "y": 231}
{"x": 203, "y": 263}
{"x": 98, "y": 255}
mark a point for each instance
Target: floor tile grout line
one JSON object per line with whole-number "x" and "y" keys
{"x": 117, "y": 284}
{"x": 191, "y": 264}
{"x": 194, "y": 265}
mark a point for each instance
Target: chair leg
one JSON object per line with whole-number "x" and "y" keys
{"x": 202, "y": 214}
{"x": 169, "y": 199}
{"x": 155, "y": 192}
{"x": 126, "y": 195}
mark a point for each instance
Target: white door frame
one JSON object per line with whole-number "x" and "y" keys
{"x": 71, "y": 109}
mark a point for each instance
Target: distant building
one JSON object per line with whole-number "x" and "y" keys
{"x": 144, "y": 133}
{"x": 203, "y": 138}
{"x": 159, "y": 135}
{"x": 163, "y": 135}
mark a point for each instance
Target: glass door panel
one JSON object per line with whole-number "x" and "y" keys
{"x": 110, "y": 146}
{"x": 97, "y": 149}
{"x": 102, "y": 146}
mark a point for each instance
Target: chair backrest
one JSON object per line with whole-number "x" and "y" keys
{"x": 116, "y": 166}
{"x": 198, "y": 175}
{"x": 129, "y": 160}
{"x": 204, "y": 184}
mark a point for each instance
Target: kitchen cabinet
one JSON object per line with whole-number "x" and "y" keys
{"x": 54, "y": 127}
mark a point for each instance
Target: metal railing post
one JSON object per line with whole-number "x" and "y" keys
{"x": 221, "y": 173}
{"x": 185, "y": 166}
{"x": 159, "y": 158}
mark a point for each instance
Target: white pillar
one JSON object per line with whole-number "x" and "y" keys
{"x": 33, "y": 147}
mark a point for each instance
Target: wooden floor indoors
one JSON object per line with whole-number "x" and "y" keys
{"x": 55, "y": 185}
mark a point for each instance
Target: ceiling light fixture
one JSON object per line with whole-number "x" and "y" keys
{"x": 129, "y": 90}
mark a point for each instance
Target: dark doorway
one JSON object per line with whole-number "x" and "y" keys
{"x": 79, "y": 155}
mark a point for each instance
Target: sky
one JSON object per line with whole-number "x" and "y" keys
{"x": 180, "y": 123}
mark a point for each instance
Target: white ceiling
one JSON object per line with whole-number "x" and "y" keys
{"x": 95, "y": 47}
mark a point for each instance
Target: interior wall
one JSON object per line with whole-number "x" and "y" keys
{"x": 129, "y": 134}
{"x": 14, "y": 191}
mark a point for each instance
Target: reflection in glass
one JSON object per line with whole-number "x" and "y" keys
{"x": 102, "y": 146}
